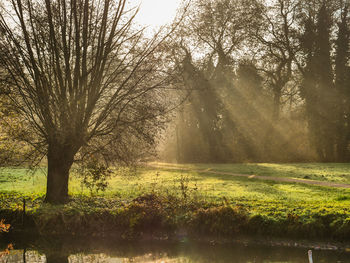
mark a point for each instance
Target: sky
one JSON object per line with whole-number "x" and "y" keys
{"x": 155, "y": 13}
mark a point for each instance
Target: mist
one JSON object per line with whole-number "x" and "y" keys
{"x": 265, "y": 82}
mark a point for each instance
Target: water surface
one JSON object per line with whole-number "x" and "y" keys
{"x": 163, "y": 252}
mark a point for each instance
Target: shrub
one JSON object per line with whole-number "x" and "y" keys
{"x": 222, "y": 220}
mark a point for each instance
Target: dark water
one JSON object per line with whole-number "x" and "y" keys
{"x": 55, "y": 251}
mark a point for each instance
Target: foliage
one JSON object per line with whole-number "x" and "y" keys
{"x": 166, "y": 215}
{"x": 244, "y": 104}
{"x": 14, "y": 152}
{"x": 318, "y": 87}
{"x": 4, "y": 227}
{"x": 94, "y": 175}
{"x": 222, "y": 220}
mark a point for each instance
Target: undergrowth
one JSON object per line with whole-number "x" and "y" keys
{"x": 166, "y": 215}
{"x": 177, "y": 205}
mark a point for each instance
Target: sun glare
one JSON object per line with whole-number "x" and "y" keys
{"x": 155, "y": 13}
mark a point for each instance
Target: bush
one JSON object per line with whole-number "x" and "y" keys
{"x": 159, "y": 214}
{"x": 147, "y": 213}
{"x": 222, "y": 220}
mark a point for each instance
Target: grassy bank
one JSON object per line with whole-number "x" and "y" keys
{"x": 180, "y": 203}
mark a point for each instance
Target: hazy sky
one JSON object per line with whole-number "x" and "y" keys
{"x": 155, "y": 13}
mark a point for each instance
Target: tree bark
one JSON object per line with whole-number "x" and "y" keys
{"x": 277, "y": 93}
{"x": 60, "y": 160}
{"x": 341, "y": 140}
{"x": 341, "y": 144}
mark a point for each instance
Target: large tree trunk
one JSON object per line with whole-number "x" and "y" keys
{"x": 341, "y": 139}
{"x": 277, "y": 93}
{"x": 60, "y": 160}
{"x": 271, "y": 142}
{"x": 341, "y": 144}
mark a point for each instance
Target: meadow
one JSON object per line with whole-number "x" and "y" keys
{"x": 253, "y": 193}
{"x": 316, "y": 207}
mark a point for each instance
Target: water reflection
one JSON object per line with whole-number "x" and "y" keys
{"x": 176, "y": 253}
{"x": 17, "y": 256}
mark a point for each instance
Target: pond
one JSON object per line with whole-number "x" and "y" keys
{"x": 55, "y": 251}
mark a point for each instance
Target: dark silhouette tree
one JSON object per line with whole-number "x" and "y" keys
{"x": 318, "y": 86}
{"x": 341, "y": 85}
{"x": 325, "y": 85}
{"x": 219, "y": 29}
{"x": 248, "y": 102}
{"x": 277, "y": 39}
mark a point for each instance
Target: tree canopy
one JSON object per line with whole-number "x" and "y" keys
{"x": 83, "y": 78}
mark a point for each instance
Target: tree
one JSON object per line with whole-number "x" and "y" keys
{"x": 318, "y": 84}
{"x": 206, "y": 105}
{"x": 13, "y": 152}
{"x": 278, "y": 46}
{"x": 210, "y": 39}
{"x": 341, "y": 83}
{"x": 83, "y": 76}
{"x": 325, "y": 85}
{"x": 249, "y": 102}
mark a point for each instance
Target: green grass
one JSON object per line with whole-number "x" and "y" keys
{"x": 258, "y": 195}
{"x": 332, "y": 172}
{"x": 23, "y": 180}
{"x": 268, "y": 207}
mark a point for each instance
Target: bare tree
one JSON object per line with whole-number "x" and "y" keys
{"x": 212, "y": 38}
{"x": 82, "y": 75}
{"x": 277, "y": 37}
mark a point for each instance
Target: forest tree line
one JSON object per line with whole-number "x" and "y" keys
{"x": 268, "y": 81}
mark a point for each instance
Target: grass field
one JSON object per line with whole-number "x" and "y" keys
{"x": 332, "y": 172}
{"x": 191, "y": 196}
{"x": 258, "y": 195}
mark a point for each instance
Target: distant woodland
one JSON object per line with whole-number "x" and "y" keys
{"x": 269, "y": 81}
